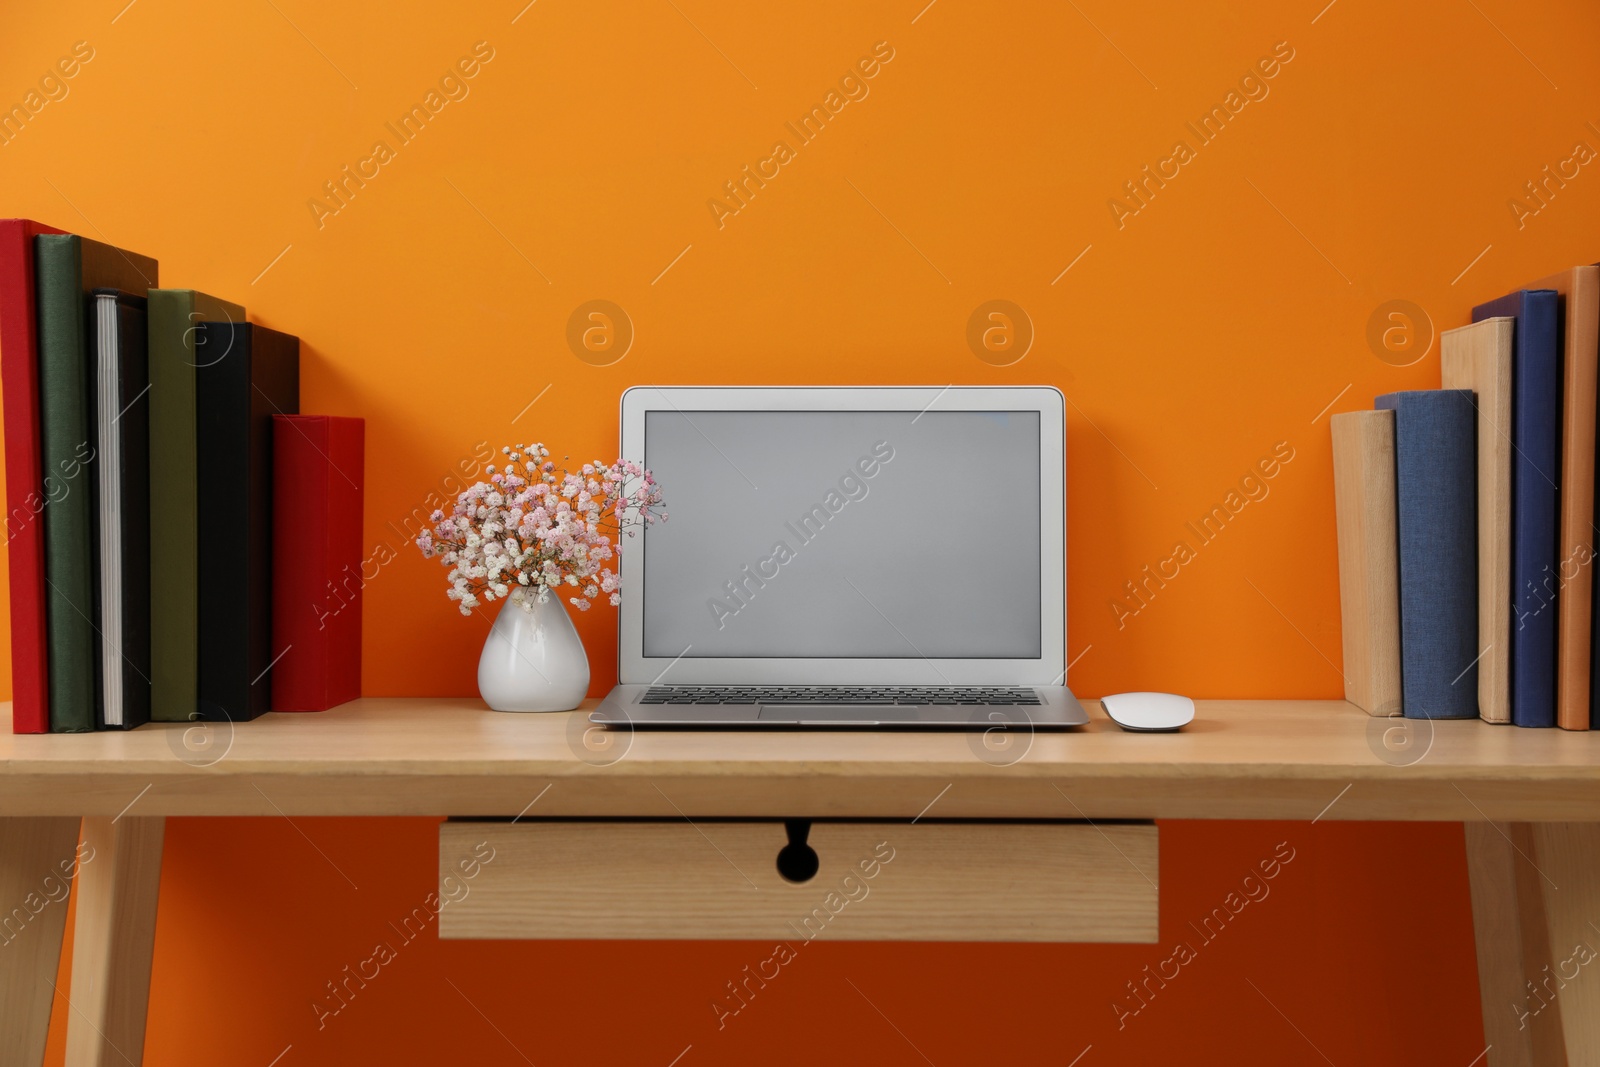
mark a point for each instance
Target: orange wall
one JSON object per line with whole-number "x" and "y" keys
{"x": 1219, "y": 320}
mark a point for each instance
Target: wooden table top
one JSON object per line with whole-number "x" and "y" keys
{"x": 1266, "y": 759}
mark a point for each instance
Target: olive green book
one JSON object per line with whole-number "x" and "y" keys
{"x": 67, "y": 268}
{"x": 175, "y": 315}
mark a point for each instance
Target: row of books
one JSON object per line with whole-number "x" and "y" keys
{"x": 1466, "y": 518}
{"x": 174, "y": 524}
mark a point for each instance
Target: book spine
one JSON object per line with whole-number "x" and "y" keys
{"x": 25, "y": 491}
{"x": 1535, "y": 577}
{"x": 346, "y": 479}
{"x": 244, "y": 375}
{"x": 174, "y": 508}
{"x": 130, "y": 424}
{"x": 1582, "y": 336}
{"x": 68, "y": 455}
{"x": 1369, "y": 601}
{"x": 273, "y": 389}
{"x": 1436, "y": 520}
{"x": 304, "y": 582}
{"x": 316, "y": 617}
{"x": 1478, "y": 357}
{"x": 223, "y": 354}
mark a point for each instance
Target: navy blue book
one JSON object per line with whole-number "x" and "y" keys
{"x": 1535, "y": 499}
{"x": 1436, "y": 517}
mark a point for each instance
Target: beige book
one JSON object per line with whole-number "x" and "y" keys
{"x": 1478, "y": 357}
{"x": 1369, "y": 558}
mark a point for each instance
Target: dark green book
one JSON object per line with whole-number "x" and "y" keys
{"x": 175, "y": 315}
{"x": 67, "y": 268}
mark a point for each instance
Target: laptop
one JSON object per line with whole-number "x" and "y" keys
{"x": 846, "y": 557}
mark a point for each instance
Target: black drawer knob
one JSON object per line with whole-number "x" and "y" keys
{"x": 797, "y": 861}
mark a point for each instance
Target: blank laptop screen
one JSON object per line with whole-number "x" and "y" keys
{"x": 844, "y": 535}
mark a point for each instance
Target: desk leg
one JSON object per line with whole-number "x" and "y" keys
{"x": 113, "y": 941}
{"x": 1535, "y": 910}
{"x": 37, "y": 857}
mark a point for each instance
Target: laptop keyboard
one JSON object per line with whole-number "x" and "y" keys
{"x": 802, "y": 696}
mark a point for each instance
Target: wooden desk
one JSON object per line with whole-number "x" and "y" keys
{"x": 1530, "y": 800}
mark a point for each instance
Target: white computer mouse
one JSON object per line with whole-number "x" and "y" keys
{"x": 1149, "y": 712}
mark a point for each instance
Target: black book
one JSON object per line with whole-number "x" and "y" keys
{"x": 119, "y": 390}
{"x": 244, "y": 375}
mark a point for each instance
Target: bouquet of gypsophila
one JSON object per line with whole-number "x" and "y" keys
{"x": 534, "y": 527}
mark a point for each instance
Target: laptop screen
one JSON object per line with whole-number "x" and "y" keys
{"x": 844, "y": 535}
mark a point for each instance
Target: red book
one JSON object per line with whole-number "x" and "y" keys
{"x": 26, "y": 498}
{"x": 317, "y": 480}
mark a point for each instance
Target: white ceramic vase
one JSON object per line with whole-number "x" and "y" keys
{"x": 533, "y": 660}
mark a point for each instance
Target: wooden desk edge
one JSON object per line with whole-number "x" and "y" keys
{"x": 1559, "y": 782}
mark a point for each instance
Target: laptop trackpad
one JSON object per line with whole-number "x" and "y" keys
{"x": 844, "y": 714}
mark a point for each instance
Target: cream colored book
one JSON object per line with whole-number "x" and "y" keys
{"x": 1369, "y": 558}
{"x": 1478, "y": 357}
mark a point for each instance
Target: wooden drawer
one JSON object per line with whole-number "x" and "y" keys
{"x": 873, "y": 881}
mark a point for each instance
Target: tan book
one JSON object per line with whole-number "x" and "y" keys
{"x": 1369, "y": 574}
{"x": 1478, "y": 357}
{"x": 1580, "y": 298}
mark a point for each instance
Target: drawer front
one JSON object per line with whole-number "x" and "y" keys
{"x": 892, "y": 881}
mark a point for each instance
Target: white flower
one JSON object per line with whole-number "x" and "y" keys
{"x": 515, "y": 538}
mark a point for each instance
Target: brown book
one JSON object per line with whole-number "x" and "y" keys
{"x": 1478, "y": 357}
{"x": 1369, "y": 577}
{"x": 1580, "y": 299}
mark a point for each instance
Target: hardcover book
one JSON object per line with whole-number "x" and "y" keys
{"x": 69, "y": 267}
{"x": 1436, "y": 521}
{"x": 1579, "y": 289}
{"x": 122, "y": 521}
{"x": 1535, "y": 500}
{"x": 1478, "y": 357}
{"x": 1369, "y": 590}
{"x": 244, "y": 375}
{"x": 27, "y": 495}
{"x": 174, "y": 497}
{"x": 318, "y": 478}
